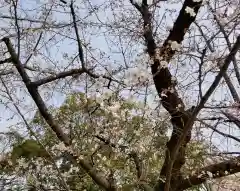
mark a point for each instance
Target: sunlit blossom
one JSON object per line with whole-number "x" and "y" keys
{"x": 190, "y": 11}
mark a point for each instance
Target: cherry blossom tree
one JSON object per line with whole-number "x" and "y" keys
{"x": 119, "y": 95}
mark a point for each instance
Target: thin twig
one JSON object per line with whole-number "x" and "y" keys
{"x": 209, "y": 92}
{"x": 221, "y": 28}
{"x": 219, "y": 132}
{"x": 225, "y": 75}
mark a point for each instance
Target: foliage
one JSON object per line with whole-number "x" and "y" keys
{"x": 135, "y": 135}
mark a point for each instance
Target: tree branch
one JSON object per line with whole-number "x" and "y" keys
{"x": 217, "y": 170}
{"x": 32, "y": 133}
{"x": 163, "y": 82}
{"x": 57, "y": 76}
{"x": 137, "y": 161}
{"x": 6, "y": 60}
{"x": 135, "y": 4}
{"x": 138, "y": 164}
{"x": 232, "y": 118}
{"x": 33, "y": 91}
{"x": 190, "y": 122}
{"x": 225, "y": 75}
{"x": 80, "y": 49}
{"x": 219, "y": 132}
{"x": 222, "y": 30}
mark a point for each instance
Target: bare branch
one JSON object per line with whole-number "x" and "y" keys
{"x": 21, "y": 19}
{"x": 34, "y": 49}
{"x": 80, "y": 49}
{"x": 217, "y": 170}
{"x": 5, "y": 60}
{"x": 58, "y": 76}
{"x": 65, "y": 2}
{"x": 225, "y": 75}
{"x": 136, "y": 5}
{"x": 232, "y": 118}
{"x": 3, "y": 73}
{"x": 219, "y": 132}
{"x": 222, "y": 30}
{"x": 15, "y": 4}
{"x": 200, "y": 72}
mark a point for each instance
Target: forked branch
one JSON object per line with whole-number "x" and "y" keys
{"x": 33, "y": 91}
{"x": 163, "y": 83}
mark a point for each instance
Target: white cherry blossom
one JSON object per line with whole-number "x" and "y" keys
{"x": 209, "y": 174}
{"x": 190, "y": 11}
{"x": 175, "y": 45}
{"x": 173, "y": 78}
{"x": 164, "y": 64}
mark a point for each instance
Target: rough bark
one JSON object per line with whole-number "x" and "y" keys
{"x": 163, "y": 81}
